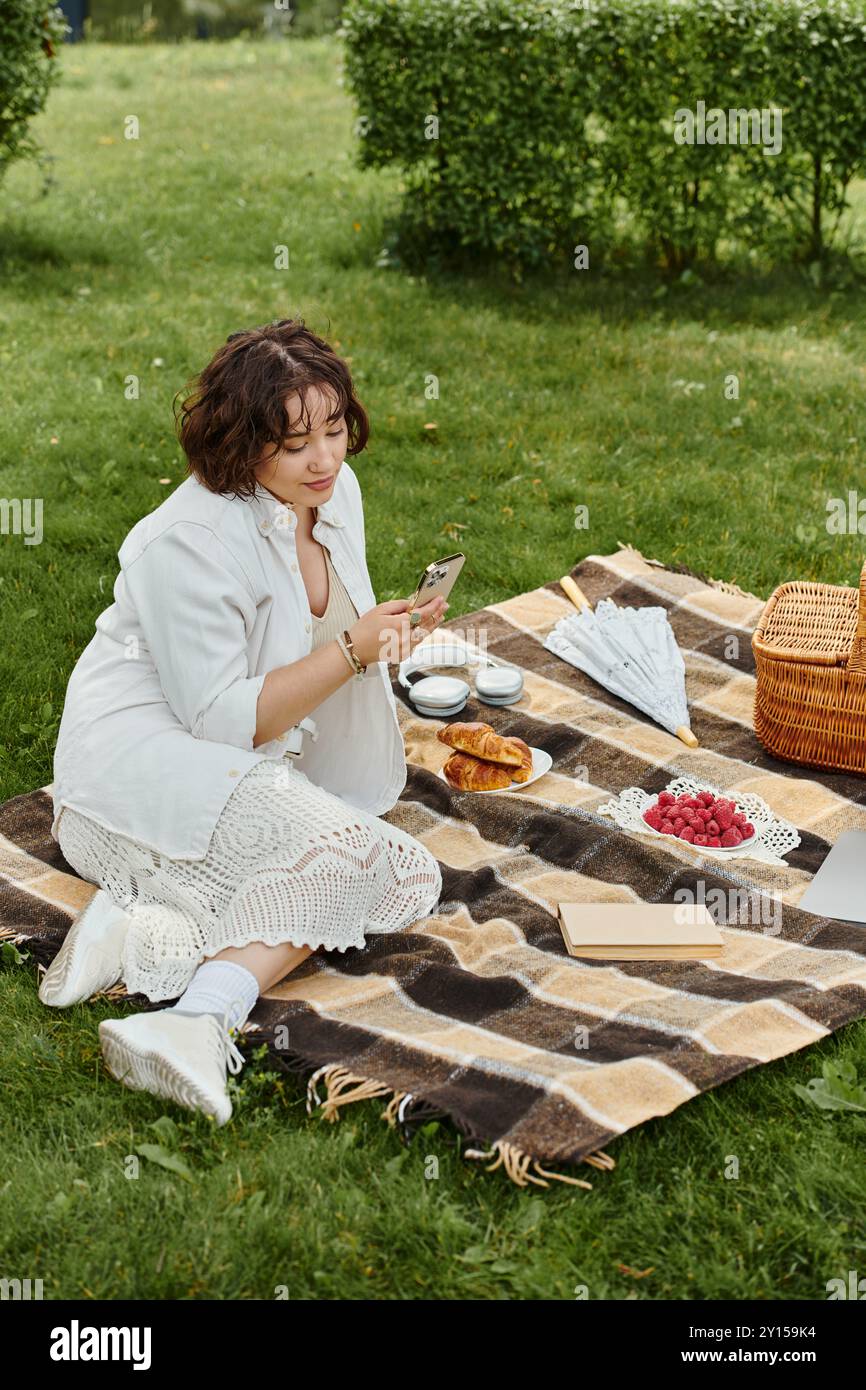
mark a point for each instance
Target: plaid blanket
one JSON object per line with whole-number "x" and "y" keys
{"x": 476, "y": 1012}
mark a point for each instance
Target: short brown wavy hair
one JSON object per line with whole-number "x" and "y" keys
{"x": 234, "y": 411}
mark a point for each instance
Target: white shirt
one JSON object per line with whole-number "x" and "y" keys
{"x": 160, "y": 710}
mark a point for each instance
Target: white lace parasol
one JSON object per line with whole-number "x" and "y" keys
{"x": 772, "y": 840}
{"x": 631, "y": 652}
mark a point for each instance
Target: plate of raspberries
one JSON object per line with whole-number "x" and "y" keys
{"x": 704, "y": 818}
{"x": 707, "y": 819}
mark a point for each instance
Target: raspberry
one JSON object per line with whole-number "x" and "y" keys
{"x": 666, "y": 799}
{"x": 724, "y": 817}
{"x": 739, "y": 820}
{"x": 667, "y": 828}
{"x": 713, "y": 842}
{"x": 653, "y": 816}
{"x": 713, "y": 827}
{"x": 704, "y": 814}
{"x": 687, "y": 834}
{"x": 700, "y": 839}
{"x": 679, "y": 824}
{"x": 706, "y": 798}
{"x": 731, "y": 838}
{"x": 748, "y": 831}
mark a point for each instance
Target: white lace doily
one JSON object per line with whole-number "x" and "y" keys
{"x": 772, "y": 840}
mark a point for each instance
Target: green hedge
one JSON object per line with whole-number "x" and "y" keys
{"x": 30, "y": 33}
{"x": 556, "y": 122}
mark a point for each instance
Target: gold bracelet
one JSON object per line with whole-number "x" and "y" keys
{"x": 343, "y": 648}
{"x": 350, "y": 647}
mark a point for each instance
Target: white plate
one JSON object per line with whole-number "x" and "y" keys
{"x": 772, "y": 840}
{"x": 541, "y": 762}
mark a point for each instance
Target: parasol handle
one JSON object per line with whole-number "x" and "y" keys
{"x": 574, "y": 592}
{"x": 688, "y": 738}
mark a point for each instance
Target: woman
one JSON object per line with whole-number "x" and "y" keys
{"x": 243, "y": 606}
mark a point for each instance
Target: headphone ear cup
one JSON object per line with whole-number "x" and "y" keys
{"x": 439, "y": 695}
{"x": 499, "y": 685}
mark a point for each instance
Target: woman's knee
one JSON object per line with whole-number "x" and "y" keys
{"x": 415, "y": 871}
{"x": 436, "y": 872}
{"x": 429, "y": 880}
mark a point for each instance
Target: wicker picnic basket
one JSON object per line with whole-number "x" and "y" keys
{"x": 810, "y": 660}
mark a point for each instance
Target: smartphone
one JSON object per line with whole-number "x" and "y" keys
{"x": 438, "y": 578}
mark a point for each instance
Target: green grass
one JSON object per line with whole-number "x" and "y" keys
{"x": 142, "y": 258}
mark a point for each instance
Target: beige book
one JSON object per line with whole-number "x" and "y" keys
{"x": 639, "y": 931}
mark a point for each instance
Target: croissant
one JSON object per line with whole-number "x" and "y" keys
{"x": 524, "y": 772}
{"x": 470, "y": 774}
{"x": 482, "y": 742}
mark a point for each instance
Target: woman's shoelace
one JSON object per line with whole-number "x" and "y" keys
{"x": 234, "y": 1056}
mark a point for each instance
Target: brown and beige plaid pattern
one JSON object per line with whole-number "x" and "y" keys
{"x": 477, "y": 1012}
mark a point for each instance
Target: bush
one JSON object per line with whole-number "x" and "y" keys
{"x": 806, "y": 61}
{"x": 474, "y": 102}
{"x": 30, "y": 34}
{"x": 522, "y": 127}
{"x": 819, "y": 66}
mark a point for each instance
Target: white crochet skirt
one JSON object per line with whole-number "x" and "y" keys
{"x": 287, "y": 862}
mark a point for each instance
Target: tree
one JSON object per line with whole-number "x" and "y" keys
{"x": 31, "y": 32}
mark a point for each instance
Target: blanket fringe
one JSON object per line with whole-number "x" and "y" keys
{"x": 395, "y": 1111}
{"x": 337, "y": 1079}
{"x": 517, "y": 1164}
{"x": 115, "y": 992}
{"x": 343, "y": 1087}
{"x": 723, "y": 585}
{"x": 600, "y": 1160}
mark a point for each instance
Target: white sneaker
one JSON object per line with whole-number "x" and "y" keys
{"x": 183, "y": 1057}
{"x": 90, "y": 958}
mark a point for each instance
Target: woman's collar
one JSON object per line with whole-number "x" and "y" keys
{"x": 273, "y": 507}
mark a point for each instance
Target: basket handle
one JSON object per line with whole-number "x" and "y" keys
{"x": 857, "y": 656}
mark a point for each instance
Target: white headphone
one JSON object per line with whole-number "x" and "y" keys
{"x": 496, "y": 682}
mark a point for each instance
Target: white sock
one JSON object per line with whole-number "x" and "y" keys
{"x": 223, "y": 988}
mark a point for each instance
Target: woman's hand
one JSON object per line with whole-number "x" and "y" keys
{"x": 289, "y": 693}
{"x": 384, "y": 633}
